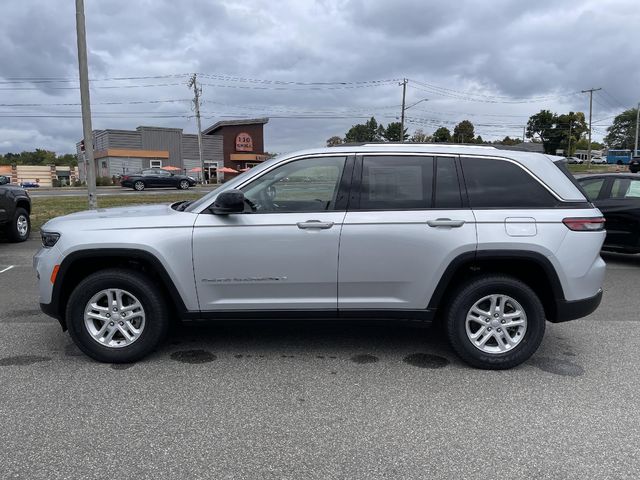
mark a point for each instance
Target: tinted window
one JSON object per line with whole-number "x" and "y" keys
{"x": 396, "y": 182}
{"x": 591, "y": 187}
{"x": 447, "y": 186}
{"x": 625, "y": 188}
{"x": 308, "y": 185}
{"x": 502, "y": 184}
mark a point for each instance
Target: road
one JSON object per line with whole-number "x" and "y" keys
{"x": 298, "y": 400}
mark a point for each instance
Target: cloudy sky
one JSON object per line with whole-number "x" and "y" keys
{"x": 314, "y": 67}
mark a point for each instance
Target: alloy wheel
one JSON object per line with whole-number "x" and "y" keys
{"x": 114, "y": 318}
{"x": 496, "y": 324}
{"x": 22, "y": 225}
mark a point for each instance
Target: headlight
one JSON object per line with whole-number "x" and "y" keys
{"x": 49, "y": 239}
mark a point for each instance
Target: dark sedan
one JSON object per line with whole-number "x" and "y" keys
{"x": 618, "y": 198}
{"x": 156, "y": 178}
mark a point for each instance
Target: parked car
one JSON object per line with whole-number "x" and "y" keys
{"x": 574, "y": 160}
{"x": 156, "y": 178}
{"x": 490, "y": 242}
{"x": 634, "y": 165}
{"x": 599, "y": 160}
{"x": 15, "y": 209}
{"x": 617, "y": 195}
{"x": 29, "y": 184}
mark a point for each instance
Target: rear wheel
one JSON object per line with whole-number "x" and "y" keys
{"x": 117, "y": 316}
{"x": 139, "y": 186}
{"x": 19, "y": 228}
{"x": 495, "y": 322}
{"x": 183, "y": 185}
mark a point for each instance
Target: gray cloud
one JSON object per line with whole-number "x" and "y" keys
{"x": 499, "y": 52}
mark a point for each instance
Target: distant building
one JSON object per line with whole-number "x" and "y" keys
{"x": 235, "y": 144}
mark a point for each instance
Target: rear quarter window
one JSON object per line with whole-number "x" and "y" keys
{"x": 494, "y": 183}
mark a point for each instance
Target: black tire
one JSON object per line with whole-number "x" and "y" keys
{"x": 474, "y": 290}
{"x": 13, "y": 232}
{"x": 145, "y": 290}
{"x": 138, "y": 185}
{"x": 183, "y": 185}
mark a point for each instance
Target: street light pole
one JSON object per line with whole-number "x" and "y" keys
{"x": 85, "y": 100}
{"x": 590, "y": 92}
{"x": 635, "y": 149}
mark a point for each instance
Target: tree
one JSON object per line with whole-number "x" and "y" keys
{"x": 479, "y": 140}
{"x": 333, "y": 141}
{"x": 420, "y": 137}
{"x": 367, "y": 132}
{"x": 583, "y": 144}
{"x": 463, "y": 132}
{"x": 392, "y": 132}
{"x": 542, "y": 125}
{"x": 553, "y": 130}
{"x": 574, "y": 124}
{"x": 510, "y": 141}
{"x": 442, "y": 135}
{"x": 621, "y": 133}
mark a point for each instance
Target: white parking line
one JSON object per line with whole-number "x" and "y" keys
{"x": 7, "y": 269}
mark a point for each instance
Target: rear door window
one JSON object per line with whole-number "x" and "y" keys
{"x": 592, "y": 187}
{"x": 396, "y": 182}
{"x": 447, "y": 191}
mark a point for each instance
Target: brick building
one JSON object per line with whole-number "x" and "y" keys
{"x": 235, "y": 144}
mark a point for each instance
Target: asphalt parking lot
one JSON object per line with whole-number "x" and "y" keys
{"x": 294, "y": 400}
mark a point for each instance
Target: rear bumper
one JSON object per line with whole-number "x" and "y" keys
{"x": 571, "y": 309}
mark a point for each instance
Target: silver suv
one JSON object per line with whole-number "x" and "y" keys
{"x": 488, "y": 242}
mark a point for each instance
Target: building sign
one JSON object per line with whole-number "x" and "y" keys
{"x": 244, "y": 142}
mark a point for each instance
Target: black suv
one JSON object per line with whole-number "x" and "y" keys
{"x": 15, "y": 208}
{"x": 634, "y": 165}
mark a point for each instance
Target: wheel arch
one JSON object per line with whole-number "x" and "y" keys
{"x": 78, "y": 265}
{"x": 532, "y": 268}
{"x": 24, "y": 203}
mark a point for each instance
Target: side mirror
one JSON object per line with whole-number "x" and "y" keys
{"x": 231, "y": 201}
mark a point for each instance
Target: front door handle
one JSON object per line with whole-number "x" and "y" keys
{"x": 445, "y": 222}
{"x": 314, "y": 224}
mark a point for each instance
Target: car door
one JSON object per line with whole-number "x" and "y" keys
{"x": 406, "y": 222}
{"x": 283, "y": 254}
{"x": 620, "y": 204}
{"x": 6, "y": 204}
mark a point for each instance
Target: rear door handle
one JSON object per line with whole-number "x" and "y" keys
{"x": 445, "y": 222}
{"x": 314, "y": 224}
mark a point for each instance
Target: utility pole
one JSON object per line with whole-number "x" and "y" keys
{"x": 85, "y": 100}
{"x": 523, "y": 130}
{"x": 635, "y": 150}
{"x": 590, "y": 92}
{"x": 569, "y": 147}
{"x": 196, "y": 102}
{"x": 404, "y": 94}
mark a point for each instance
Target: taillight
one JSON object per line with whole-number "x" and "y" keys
{"x": 125, "y": 177}
{"x": 590, "y": 224}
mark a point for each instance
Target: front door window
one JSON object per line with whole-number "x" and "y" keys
{"x": 309, "y": 185}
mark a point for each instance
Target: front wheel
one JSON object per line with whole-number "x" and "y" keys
{"x": 19, "y": 228}
{"x": 117, "y": 316}
{"x": 183, "y": 185}
{"x": 495, "y": 322}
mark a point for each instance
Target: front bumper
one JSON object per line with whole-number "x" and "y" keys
{"x": 571, "y": 309}
{"x": 51, "y": 309}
